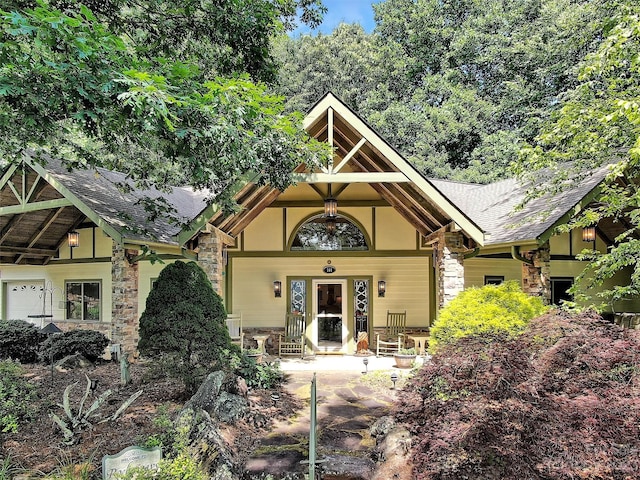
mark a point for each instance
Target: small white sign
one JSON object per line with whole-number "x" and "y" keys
{"x": 130, "y": 457}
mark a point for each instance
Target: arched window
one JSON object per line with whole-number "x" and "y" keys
{"x": 315, "y": 234}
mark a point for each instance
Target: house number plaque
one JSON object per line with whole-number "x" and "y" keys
{"x": 328, "y": 269}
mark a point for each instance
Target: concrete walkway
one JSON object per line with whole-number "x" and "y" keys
{"x": 349, "y": 402}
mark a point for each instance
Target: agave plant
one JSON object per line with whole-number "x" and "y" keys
{"x": 76, "y": 420}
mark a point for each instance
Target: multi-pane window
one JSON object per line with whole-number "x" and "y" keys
{"x": 314, "y": 234}
{"x": 83, "y": 300}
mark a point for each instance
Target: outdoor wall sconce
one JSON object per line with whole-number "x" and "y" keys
{"x": 74, "y": 239}
{"x": 589, "y": 234}
{"x": 382, "y": 288}
{"x": 277, "y": 288}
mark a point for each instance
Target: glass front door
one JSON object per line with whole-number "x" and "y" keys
{"x": 330, "y": 330}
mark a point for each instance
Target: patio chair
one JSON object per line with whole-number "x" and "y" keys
{"x": 293, "y": 341}
{"x": 392, "y": 339}
{"x": 234, "y": 325}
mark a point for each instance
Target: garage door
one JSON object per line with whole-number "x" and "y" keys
{"x": 24, "y": 299}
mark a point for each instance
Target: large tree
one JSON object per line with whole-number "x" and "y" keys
{"x": 598, "y": 124}
{"x": 166, "y": 92}
{"x": 456, "y": 85}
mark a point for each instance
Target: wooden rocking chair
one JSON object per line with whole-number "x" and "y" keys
{"x": 293, "y": 342}
{"x": 234, "y": 325}
{"x": 392, "y": 340}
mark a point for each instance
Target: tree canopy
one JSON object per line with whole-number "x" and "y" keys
{"x": 599, "y": 124}
{"x": 456, "y": 86}
{"x": 167, "y": 93}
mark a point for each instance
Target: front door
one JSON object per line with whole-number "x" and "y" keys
{"x": 329, "y": 329}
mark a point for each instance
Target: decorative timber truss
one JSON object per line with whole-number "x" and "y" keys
{"x": 34, "y": 217}
{"x": 361, "y": 156}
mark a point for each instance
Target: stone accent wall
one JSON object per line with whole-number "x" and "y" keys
{"x": 124, "y": 308}
{"x": 449, "y": 257}
{"x": 536, "y": 278}
{"x": 210, "y": 247}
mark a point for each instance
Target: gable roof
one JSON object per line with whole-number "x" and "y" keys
{"x": 493, "y": 206}
{"x": 97, "y": 189}
{"x": 39, "y": 204}
{"x": 59, "y": 200}
{"x": 360, "y": 147}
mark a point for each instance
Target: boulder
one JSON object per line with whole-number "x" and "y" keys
{"x": 346, "y": 467}
{"x": 220, "y": 400}
{"x": 73, "y": 361}
{"x": 217, "y": 397}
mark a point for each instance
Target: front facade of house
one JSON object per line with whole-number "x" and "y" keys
{"x": 392, "y": 240}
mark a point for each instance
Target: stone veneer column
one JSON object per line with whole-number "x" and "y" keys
{"x": 450, "y": 266}
{"x": 536, "y": 277}
{"x": 124, "y": 301}
{"x": 210, "y": 247}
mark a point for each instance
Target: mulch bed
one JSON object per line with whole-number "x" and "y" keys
{"x": 38, "y": 446}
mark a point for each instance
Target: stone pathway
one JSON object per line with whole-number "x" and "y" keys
{"x": 348, "y": 405}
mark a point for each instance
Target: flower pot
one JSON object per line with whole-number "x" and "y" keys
{"x": 256, "y": 356}
{"x": 404, "y": 361}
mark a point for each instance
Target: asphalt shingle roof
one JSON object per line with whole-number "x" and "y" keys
{"x": 98, "y": 189}
{"x": 492, "y": 206}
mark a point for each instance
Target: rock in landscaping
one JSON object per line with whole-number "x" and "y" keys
{"x": 345, "y": 467}
{"x": 214, "y": 397}
{"x": 73, "y": 361}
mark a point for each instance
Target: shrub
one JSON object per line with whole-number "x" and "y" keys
{"x": 487, "y": 310}
{"x": 20, "y": 340}
{"x": 557, "y": 402}
{"x": 89, "y": 343}
{"x": 16, "y": 394}
{"x": 184, "y": 326}
{"x": 257, "y": 375}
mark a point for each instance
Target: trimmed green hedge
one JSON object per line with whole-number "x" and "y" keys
{"x": 20, "y": 340}
{"x": 88, "y": 343}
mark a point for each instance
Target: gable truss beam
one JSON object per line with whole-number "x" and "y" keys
{"x": 45, "y": 226}
{"x": 247, "y": 205}
{"x": 30, "y": 252}
{"x": 351, "y": 153}
{"x": 35, "y": 206}
{"x": 352, "y": 177}
{"x": 401, "y": 196}
{"x": 8, "y": 228}
{"x": 254, "y": 212}
{"x": 414, "y": 219}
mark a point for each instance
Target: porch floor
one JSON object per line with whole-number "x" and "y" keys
{"x": 338, "y": 363}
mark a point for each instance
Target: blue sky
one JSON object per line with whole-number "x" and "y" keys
{"x": 347, "y": 11}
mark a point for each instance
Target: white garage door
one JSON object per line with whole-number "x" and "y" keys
{"x": 23, "y": 299}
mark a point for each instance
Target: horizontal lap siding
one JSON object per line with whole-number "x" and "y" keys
{"x": 407, "y": 281}
{"x": 54, "y": 276}
{"x": 475, "y": 270}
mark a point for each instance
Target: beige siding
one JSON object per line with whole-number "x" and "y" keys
{"x": 568, "y": 268}
{"x": 88, "y": 238}
{"x": 475, "y": 270}
{"x": 265, "y": 232}
{"x": 147, "y": 272}
{"x": 572, "y": 244}
{"x": 407, "y": 285}
{"x": 392, "y": 231}
{"x": 54, "y": 277}
{"x": 296, "y": 215}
